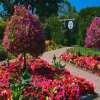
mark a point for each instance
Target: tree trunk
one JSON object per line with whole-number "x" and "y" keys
{"x": 24, "y": 62}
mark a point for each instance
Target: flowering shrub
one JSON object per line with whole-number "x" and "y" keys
{"x": 93, "y": 34}
{"x": 86, "y": 62}
{"x": 41, "y": 81}
{"x": 4, "y": 77}
{"x": 23, "y": 33}
{"x": 90, "y": 63}
{"x": 66, "y": 56}
{"x": 5, "y": 92}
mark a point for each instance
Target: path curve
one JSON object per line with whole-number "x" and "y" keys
{"x": 75, "y": 71}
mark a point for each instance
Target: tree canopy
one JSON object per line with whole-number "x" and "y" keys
{"x": 93, "y": 34}
{"x": 43, "y": 8}
{"x": 23, "y": 33}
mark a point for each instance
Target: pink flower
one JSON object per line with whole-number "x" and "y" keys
{"x": 93, "y": 34}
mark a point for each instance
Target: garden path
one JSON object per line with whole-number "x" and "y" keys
{"x": 75, "y": 71}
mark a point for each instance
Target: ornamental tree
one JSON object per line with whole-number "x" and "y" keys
{"x": 93, "y": 34}
{"x": 23, "y": 33}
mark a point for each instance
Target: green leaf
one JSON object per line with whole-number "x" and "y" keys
{"x": 26, "y": 75}
{"x": 20, "y": 97}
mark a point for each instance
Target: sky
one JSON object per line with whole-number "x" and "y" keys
{"x": 1, "y": 8}
{"x": 79, "y": 4}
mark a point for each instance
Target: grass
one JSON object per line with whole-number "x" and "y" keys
{"x": 84, "y": 51}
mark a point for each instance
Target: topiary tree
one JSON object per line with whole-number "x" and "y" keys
{"x": 93, "y": 34}
{"x": 23, "y": 33}
{"x": 84, "y": 22}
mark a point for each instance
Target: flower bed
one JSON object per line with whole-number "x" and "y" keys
{"x": 41, "y": 81}
{"x": 90, "y": 63}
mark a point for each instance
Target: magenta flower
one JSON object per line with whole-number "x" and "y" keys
{"x": 93, "y": 34}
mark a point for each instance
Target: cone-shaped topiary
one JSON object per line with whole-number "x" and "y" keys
{"x": 24, "y": 33}
{"x": 93, "y": 34}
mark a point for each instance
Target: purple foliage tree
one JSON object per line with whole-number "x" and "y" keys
{"x": 93, "y": 34}
{"x": 23, "y": 33}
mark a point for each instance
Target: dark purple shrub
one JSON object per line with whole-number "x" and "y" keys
{"x": 93, "y": 34}
{"x": 24, "y": 33}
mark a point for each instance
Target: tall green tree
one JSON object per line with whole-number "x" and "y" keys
{"x": 43, "y": 8}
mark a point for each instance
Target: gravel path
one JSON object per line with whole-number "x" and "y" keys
{"x": 75, "y": 71}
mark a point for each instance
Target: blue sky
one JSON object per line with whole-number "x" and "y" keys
{"x": 79, "y": 4}
{"x": 1, "y": 8}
